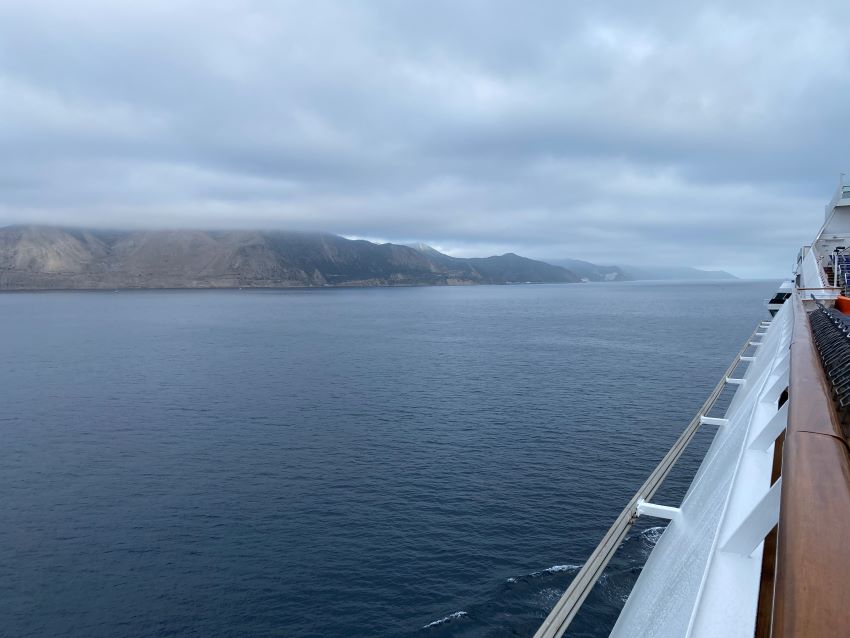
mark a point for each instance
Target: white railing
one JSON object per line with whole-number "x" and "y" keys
{"x": 812, "y": 272}
{"x": 567, "y": 607}
{"x": 840, "y": 271}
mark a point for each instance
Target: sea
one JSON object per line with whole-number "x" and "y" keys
{"x": 413, "y": 462}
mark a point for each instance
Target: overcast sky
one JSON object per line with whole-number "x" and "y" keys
{"x": 664, "y": 132}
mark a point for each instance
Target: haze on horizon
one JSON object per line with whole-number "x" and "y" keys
{"x": 706, "y": 135}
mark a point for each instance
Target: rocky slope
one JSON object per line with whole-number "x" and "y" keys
{"x": 37, "y": 257}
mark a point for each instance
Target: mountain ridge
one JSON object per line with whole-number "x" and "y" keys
{"x": 588, "y": 271}
{"x": 591, "y": 272}
{"x": 666, "y": 273}
{"x": 49, "y": 257}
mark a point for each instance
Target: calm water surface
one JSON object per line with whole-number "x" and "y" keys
{"x": 381, "y": 462}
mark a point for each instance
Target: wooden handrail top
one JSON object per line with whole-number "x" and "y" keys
{"x": 812, "y": 592}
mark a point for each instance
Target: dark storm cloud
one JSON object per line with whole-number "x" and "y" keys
{"x": 669, "y": 133}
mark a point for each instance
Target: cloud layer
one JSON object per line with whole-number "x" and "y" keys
{"x": 670, "y": 133}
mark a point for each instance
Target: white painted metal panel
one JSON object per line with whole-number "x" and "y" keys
{"x": 811, "y": 272}
{"x": 688, "y": 586}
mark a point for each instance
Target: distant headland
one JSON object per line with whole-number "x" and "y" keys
{"x": 52, "y": 258}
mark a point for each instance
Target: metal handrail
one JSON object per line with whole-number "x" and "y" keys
{"x": 567, "y": 607}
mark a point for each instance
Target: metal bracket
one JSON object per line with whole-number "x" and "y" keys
{"x": 777, "y": 387}
{"x": 773, "y": 428}
{"x": 710, "y": 420}
{"x": 756, "y": 525}
{"x": 645, "y": 508}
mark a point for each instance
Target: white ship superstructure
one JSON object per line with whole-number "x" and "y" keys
{"x": 760, "y": 544}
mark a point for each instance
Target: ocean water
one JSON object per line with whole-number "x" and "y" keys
{"x": 377, "y": 462}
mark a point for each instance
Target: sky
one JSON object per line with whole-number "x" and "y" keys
{"x": 664, "y": 133}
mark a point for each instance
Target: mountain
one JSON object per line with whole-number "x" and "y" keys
{"x": 589, "y": 271}
{"x": 594, "y": 272}
{"x": 507, "y": 268}
{"x": 39, "y": 257}
{"x": 673, "y": 272}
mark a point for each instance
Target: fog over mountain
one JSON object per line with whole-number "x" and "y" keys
{"x": 587, "y": 271}
{"x": 681, "y": 134}
{"x": 37, "y": 258}
{"x": 45, "y": 258}
{"x": 591, "y": 272}
{"x": 652, "y": 273}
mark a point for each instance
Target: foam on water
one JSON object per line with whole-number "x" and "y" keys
{"x": 554, "y": 569}
{"x": 446, "y": 619}
{"x": 650, "y": 536}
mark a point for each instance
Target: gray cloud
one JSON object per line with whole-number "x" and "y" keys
{"x": 670, "y": 133}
